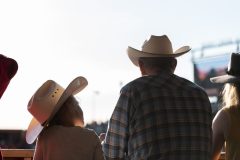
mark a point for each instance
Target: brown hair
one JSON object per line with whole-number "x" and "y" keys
{"x": 68, "y": 114}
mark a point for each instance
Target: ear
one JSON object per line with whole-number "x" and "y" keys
{"x": 174, "y": 64}
{"x": 141, "y": 67}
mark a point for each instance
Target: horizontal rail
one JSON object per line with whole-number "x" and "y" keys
{"x": 17, "y": 154}
{"x": 27, "y": 154}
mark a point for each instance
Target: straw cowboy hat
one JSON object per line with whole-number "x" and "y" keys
{"x": 156, "y": 46}
{"x": 46, "y": 101}
{"x": 233, "y": 71}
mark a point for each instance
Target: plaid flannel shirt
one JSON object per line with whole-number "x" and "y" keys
{"x": 160, "y": 117}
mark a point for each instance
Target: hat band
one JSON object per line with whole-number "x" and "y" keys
{"x": 234, "y": 72}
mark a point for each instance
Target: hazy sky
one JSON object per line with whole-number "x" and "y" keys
{"x": 63, "y": 39}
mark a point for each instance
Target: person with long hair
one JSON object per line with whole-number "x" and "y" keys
{"x": 225, "y": 125}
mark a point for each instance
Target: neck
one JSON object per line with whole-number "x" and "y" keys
{"x": 153, "y": 72}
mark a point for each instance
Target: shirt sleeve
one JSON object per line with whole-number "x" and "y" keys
{"x": 116, "y": 141}
{"x": 98, "y": 153}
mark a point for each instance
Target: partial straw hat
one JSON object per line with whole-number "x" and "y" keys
{"x": 233, "y": 71}
{"x": 46, "y": 101}
{"x": 156, "y": 46}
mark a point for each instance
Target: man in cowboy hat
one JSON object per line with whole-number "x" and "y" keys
{"x": 159, "y": 115}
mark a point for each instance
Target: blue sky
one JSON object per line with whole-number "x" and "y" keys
{"x": 62, "y": 39}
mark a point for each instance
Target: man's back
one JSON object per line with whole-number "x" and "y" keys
{"x": 160, "y": 117}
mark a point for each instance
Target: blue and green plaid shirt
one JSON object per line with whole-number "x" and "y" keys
{"x": 162, "y": 117}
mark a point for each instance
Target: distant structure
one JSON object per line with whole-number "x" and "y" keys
{"x": 13, "y": 139}
{"x": 211, "y": 60}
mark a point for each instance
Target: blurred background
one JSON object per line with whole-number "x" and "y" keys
{"x": 63, "y": 39}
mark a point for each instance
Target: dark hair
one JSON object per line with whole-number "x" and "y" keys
{"x": 159, "y": 63}
{"x": 68, "y": 113}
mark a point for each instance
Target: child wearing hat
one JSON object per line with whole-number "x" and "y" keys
{"x": 58, "y": 124}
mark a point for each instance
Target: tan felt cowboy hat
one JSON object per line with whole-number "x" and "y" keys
{"x": 156, "y": 46}
{"x": 233, "y": 71}
{"x": 46, "y": 101}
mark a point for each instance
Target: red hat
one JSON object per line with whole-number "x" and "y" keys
{"x": 8, "y": 68}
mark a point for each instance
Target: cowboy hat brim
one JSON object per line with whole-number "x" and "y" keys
{"x": 225, "y": 79}
{"x": 135, "y": 54}
{"x": 35, "y": 128}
